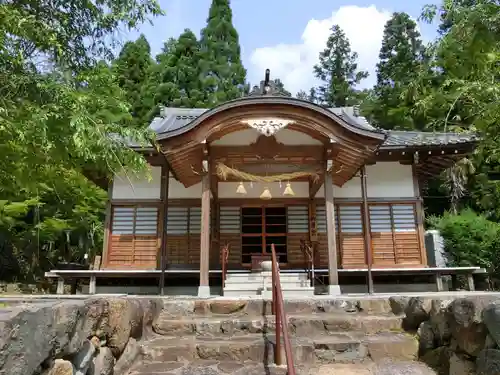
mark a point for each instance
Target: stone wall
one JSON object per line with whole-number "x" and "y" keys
{"x": 456, "y": 336}
{"x": 97, "y": 336}
{"x": 103, "y": 336}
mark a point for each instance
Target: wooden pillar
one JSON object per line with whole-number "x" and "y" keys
{"x": 163, "y": 228}
{"x": 420, "y": 219}
{"x": 333, "y": 285}
{"x": 366, "y": 229}
{"x": 204, "y": 289}
{"x": 107, "y": 227}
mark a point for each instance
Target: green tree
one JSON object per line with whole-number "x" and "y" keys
{"x": 302, "y": 95}
{"x": 132, "y": 68}
{"x": 175, "y": 81}
{"x": 400, "y": 58}
{"x": 338, "y": 71}
{"x": 446, "y": 17}
{"x": 280, "y": 87}
{"x": 59, "y": 106}
{"x": 311, "y": 97}
{"x": 223, "y": 71}
{"x": 458, "y": 89}
{"x": 470, "y": 239}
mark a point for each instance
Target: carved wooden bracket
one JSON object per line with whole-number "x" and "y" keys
{"x": 267, "y": 147}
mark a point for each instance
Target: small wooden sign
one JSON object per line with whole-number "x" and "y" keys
{"x": 97, "y": 262}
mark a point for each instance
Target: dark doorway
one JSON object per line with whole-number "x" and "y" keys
{"x": 261, "y": 227}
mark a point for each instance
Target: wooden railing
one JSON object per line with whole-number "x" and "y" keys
{"x": 280, "y": 318}
{"x": 308, "y": 252}
{"x": 224, "y": 261}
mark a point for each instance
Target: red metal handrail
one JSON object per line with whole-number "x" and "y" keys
{"x": 280, "y": 318}
{"x": 224, "y": 261}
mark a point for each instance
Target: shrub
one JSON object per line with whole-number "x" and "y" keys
{"x": 470, "y": 239}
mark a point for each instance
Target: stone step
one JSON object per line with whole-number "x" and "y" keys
{"x": 208, "y": 367}
{"x": 289, "y": 291}
{"x": 211, "y": 367}
{"x": 259, "y": 276}
{"x": 257, "y": 307}
{"x": 298, "y": 324}
{"x": 348, "y": 347}
{"x": 297, "y": 283}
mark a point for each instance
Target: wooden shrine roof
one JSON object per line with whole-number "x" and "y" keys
{"x": 185, "y": 136}
{"x": 176, "y": 121}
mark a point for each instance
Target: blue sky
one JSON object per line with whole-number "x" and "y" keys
{"x": 287, "y": 35}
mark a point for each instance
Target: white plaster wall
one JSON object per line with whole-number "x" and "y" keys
{"x": 228, "y": 189}
{"x": 176, "y": 190}
{"x": 137, "y": 186}
{"x": 249, "y": 136}
{"x": 351, "y": 189}
{"x": 384, "y": 180}
{"x": 389, "y": 180}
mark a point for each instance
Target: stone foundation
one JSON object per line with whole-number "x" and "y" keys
{"x": 88, "y": 337}
{"x": 103, "y": 335}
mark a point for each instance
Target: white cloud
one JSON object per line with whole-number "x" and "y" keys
{"x": 293, "y": 63}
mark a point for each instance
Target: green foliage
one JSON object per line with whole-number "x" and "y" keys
{"x": 311, "y": 97}
{"x": 400, "y": 57}
{"x": 470, "y": 239}
{"x": 175, "y": 80}
{"x": 222, "y": 70}
{"x": 458, "y": 87}
{"x": 132, "y": 69}
{"x": 65, "y": 32}
{"x": 58, "y": 107}
{"x": 338, "y": 70}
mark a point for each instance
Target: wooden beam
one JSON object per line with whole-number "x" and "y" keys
{"x": 314, "y": 186}
{"x": 333, "y": 284}
{"x": 204, "y": 289}
{"x": 214, "y": 181}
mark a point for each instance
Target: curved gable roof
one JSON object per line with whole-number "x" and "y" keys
{"x": 177, "y": 121}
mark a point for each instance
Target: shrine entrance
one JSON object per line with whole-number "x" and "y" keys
{"x": 261, "y": 227}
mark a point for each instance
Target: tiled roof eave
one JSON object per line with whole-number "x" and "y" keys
{"x": 427, "y": 146}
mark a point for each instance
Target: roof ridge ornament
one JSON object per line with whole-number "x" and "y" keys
{"x": 267, "y": 87}
{"x": 268, "y": 126}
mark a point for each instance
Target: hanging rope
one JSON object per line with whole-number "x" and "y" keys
{"x": 223, "y": 171}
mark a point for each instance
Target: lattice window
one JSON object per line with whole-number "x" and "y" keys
{"x": 380, "y": 218}
{"x": 195, "y": 220}
{"x": 350, "y": 219}
{"x": 134, "y": 221}
{"x": 230, "y": 221}
{"x": 298, "y": 219}
{"x": 404, "y": 217}
{"x": 177, "y": 220}
{"x": 321, "y": 219}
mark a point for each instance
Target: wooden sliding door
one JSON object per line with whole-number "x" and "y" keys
{"x": 261, "y": 227}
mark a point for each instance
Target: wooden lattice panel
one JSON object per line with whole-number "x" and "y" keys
{"x": 183, "y": 235}
{"x": 230, "y": 232}
{"x": 134, "y": 241}
{"x": 298, "y": 229}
